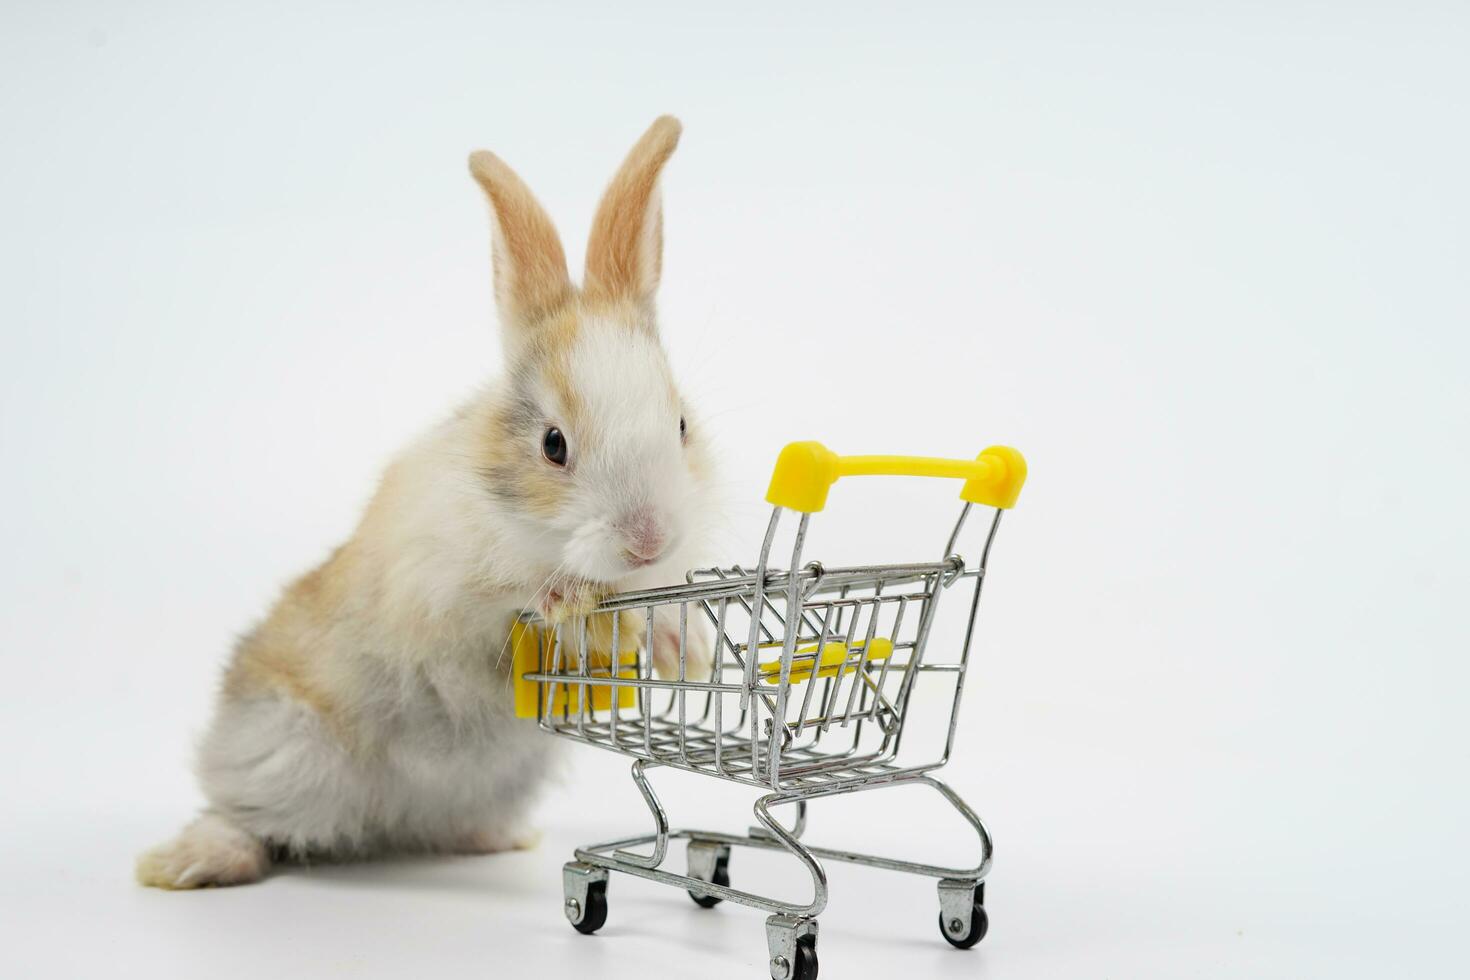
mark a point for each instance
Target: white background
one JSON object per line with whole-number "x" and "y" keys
{"x": 1206, "y": 267}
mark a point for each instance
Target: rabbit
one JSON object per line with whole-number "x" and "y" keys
{"x": 372, "y": 709}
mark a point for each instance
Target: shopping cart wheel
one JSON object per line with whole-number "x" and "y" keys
{"x": 594, "y": 911}
{"x": 803, "y": 966}
{"x": 586, "y": 896}
{"x": 963, "y": 920}
{"x": 793, "y": 947}
{"x": 979, "y": 925}
{"x": 709, "y": 862}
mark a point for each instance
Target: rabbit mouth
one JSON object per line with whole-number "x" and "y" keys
{"x": 639, "y": 561}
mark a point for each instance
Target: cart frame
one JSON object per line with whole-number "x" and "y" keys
{"x": 834, "y": 628}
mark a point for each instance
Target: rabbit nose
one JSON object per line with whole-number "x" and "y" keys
{"x": 644, "y": 537}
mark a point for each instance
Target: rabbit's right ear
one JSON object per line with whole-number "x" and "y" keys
{"x": 625, "y": 250}
{"x": 531, "y": 278}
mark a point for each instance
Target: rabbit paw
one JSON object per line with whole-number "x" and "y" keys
{"x": 209, "y": 852}
{"x": 568, "y": 599}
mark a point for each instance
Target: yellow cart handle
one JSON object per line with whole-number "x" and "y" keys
{"x": 805, "y": 471}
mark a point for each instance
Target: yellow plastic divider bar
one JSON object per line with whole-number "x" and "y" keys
{"x": 805, "y": 472}
{"x": 527, "y": 657}
{"x": 834, "y": 658}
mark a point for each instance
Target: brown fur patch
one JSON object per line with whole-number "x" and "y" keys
{"x": 625, "y": 249}
{"x": 531, "y": 278}
{"x": 553, "y": 360}
{"x": 510, "y": 462}
{"x": 273, "y": 660}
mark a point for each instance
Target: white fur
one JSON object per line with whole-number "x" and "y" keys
{"x": 451, "y": 764}
{"x": 634, "y": 460}
{"x": 372, "y": 710}
{"x": 425, "y": 752}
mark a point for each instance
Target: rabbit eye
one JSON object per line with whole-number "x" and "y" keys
{"x": 683, "y": 429}
{"x": 554, "y": 447}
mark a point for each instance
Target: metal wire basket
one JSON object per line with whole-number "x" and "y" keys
{"x": 812, "y": 682}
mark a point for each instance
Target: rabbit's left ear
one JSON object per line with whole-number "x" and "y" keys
{"x": 625, "y": 250}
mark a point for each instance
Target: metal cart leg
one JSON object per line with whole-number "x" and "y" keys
{"x": 708, "y": 852}
{"x": 774, "y": 831}
{"x": 791, "y": 932}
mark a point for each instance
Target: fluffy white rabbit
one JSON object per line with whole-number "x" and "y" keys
{"x": 372, "y": 709}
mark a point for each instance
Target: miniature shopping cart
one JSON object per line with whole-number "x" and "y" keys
{"x": 815, "y": 672}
